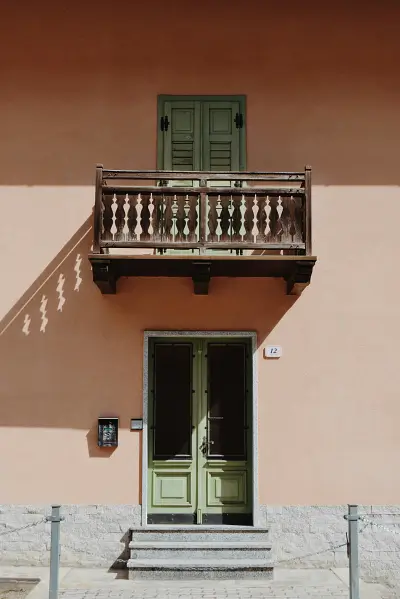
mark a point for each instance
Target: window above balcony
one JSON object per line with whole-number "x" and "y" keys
{"x": 202, "y": 224}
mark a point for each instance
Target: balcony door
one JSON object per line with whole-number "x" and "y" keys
{"x": 199, "y": 432}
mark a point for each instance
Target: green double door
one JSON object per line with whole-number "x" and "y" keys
{"x": 199, "y": 432}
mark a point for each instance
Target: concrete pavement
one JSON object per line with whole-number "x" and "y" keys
{"x": 84, "y": 583}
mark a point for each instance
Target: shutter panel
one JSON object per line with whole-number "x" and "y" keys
{"x": 221, "y": 138}
{"x": 182, "y": 141}
{"x": 221, "y": 143}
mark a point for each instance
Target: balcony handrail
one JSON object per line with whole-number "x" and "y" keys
{"x": 205, "y": 175}
{"x": 203, "y": 192}
{"x": 272, "y": 191}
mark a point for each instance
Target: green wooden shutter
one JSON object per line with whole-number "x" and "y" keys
{"x": 221, "y": 142}
{"x": 202, "y": 135}
{"x": 182, "y": 140}
{"x": 221, "y": 137}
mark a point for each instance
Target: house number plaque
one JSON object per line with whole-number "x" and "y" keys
{"x": 273, "y": 351}
{"x": 136, "y": 424}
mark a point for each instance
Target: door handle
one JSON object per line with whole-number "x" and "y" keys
{"x": 205, "y": 445}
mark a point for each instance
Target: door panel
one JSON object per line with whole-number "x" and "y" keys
{"x": 226, "y": 487}
{"x": 198, "y": 415}
{"x": 172, "y": 488}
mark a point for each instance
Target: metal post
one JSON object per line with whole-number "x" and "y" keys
{"x": 354, "y": 574}
{"x": 55, "y": 520}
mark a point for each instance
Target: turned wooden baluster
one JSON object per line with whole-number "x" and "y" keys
{"x": 274, "y": 222}
{"x": 107, "y": 218}
{"x": 212, "y": 218}
{"x": 186, "y": 210}
{"x": 145, "y": 217}
{"x": 246, "y": 217}
{"x": 167, "y": 220}
{"x": 279, "y": 209}
{"x": 132, "y": 217}
{"x": 126, "y": 208}
{"x": 218, "y": 208}
{"x": 161, "y": 217}
{"x": 286, "y": 220}
{"x": 261, "y": 218}
{"x": 225, "y": 221}
{"x": 119, "y": 216}
{"x": 255, "y": 209}
{"x": 139, "y": 208}
{"x": 155, "y": 216}
{"x": 180, "y": 222}
{"x": 174, "y": 218}
{"x": 151, "y": 210}
{"x": 243, "y": 208}
{"x": 114, "y": 207}
{"x": 194, "y": 218}
{"x": 231, "y": 210}
{"x": 267, "y": 230}
{"x": 236, "y": 218}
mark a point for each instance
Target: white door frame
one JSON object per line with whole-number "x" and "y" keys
{"x": 181, "y": 334}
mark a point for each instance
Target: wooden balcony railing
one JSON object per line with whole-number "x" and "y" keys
{"x": 203, "y": 210}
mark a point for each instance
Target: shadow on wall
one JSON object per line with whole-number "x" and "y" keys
{"x": 69, "y": 354}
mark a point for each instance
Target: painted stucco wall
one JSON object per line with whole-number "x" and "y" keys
{"x": 79, "y": 86}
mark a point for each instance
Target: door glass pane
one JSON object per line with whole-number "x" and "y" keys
{"x": 227, "y": 400}
{"x": 172, "y": 400}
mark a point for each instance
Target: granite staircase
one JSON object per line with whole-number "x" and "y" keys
{"x": 190, "y": 552}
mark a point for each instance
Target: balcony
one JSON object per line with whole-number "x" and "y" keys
{"x": 202, "y": 225}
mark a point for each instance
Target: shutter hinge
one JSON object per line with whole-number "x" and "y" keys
{"x": 239, "y": 120}
{"x": 164, "y": 123}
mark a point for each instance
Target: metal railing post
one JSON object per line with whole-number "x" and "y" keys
{"x": 55, "y": 520}
{"x": 354, "y": 572}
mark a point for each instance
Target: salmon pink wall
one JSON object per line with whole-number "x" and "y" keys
{"x": 79, "y": 86}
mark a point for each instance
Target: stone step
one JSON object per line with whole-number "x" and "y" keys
{"x": 195, "y": 534}
{"x": 200, "y": 550}
{"x": 224, "y": 569}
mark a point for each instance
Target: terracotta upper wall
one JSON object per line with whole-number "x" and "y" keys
{"x": 80, "y": 83}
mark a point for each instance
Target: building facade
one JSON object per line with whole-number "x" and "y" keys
{"x": 257, "y": 87}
